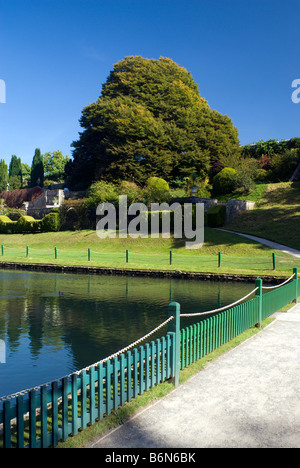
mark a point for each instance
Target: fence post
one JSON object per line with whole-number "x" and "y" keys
{"x": 27, "y": 251}
{"x": 2, "y": 249}
{"x": 219, "y": 259}
{"x": 55, "y": 252}
{"x": 170, "y": 257}
{"x": 274, "y": 261}
{"x": 127, "y": 256}
{"x": 174, "y": 328}
{"x": 89, "y": 254}
{"x": 295, "y": 271}
{"x": 258, "y": 292}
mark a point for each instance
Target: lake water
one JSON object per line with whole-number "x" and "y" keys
{"x": 53, "y": 324}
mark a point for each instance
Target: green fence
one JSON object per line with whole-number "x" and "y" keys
{"x": 42, "y": 416}
{"x": 126, "y": 258}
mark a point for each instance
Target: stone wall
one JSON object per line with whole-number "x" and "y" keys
{"x": 208, "y": 202}
{"x": 45, "y": 203}
{"x": 234, "y": 206}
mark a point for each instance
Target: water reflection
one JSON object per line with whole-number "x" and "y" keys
{"x": 53, "y": 324}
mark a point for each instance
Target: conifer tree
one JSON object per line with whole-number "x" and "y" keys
{"x": 37, "y": 169}
{"x": 3, "y": 175}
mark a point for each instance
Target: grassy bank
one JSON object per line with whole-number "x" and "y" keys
{"x": 276, "y": 216}
{"x": 238, "y": 255}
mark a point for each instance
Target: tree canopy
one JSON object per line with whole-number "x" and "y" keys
{"x": 54, "y": 165}
{"x": 150, "y": 120}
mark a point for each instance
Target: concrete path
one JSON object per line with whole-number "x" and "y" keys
{"x": 273, "y": 245}
{"x": 247, "y": 398}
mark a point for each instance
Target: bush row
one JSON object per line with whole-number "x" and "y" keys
{"x": 28, "y": 224}
{"x": 214, "y": 217}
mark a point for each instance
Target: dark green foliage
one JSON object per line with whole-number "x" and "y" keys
{"x": 50, "y": 223}
{"x": 282, "y": 165}
{"x": 15, "y": 168}
{"x": 37, "y": 170}
{"x": 149, "y": 121}
{"x": 216, "y": 216}
{"x": 278, "y": 159}
{"x": 269, "y": 147}
{"x": 3, "y": 175}
{"x": 77, "y": 214}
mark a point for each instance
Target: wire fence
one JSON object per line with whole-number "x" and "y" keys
{"x": 126, "y": 258}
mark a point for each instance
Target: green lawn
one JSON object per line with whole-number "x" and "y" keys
{"x": 276, "y": 217}
{"x": 238, "y": 254}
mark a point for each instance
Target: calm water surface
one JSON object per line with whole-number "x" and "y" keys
{"x": 53, "y": 324}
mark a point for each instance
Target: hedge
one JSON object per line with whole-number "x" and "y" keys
{"x": 28, "y": 224}
{"x": 216, "y": 216}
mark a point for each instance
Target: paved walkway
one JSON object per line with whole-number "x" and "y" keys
{"x": 273, "y": 245}
{"x": 247, "y": 398}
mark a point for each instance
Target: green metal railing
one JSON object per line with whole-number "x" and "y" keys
{"x": 42, "y": 416}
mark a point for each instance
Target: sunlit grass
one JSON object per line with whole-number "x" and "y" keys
{"x": 83, "y": 248}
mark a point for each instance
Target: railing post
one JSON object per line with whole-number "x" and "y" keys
{"x": 295, "y": 271}
{"x": 219, "y": 259}
{"x": 258, "y": 292}
{"x": 174, "y": 328}
{"x": 274, "y": 261}
{"x": 127, "y": 256}
{"x": 170, "y": 257}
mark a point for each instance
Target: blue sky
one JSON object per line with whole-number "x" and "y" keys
{"x": 56, "y": 54}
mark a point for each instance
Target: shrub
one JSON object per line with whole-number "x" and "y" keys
{"x": 27, "y": 224}
{"x": 6, "y": 224}
{"x": 77, "y": 214}
{"x": 132, "y": 190}
{"x": 50, "y": 222}
{"x": 101, "y": 191}
{"x": 225, "y": 181}
{"x": 283, "y": 165}
{"x": 216, "y": 216}
{"x": 261, "y": 175}
{"x": 157, "y": 190}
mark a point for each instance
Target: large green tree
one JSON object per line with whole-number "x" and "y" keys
{"x": 150, "y": 120}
